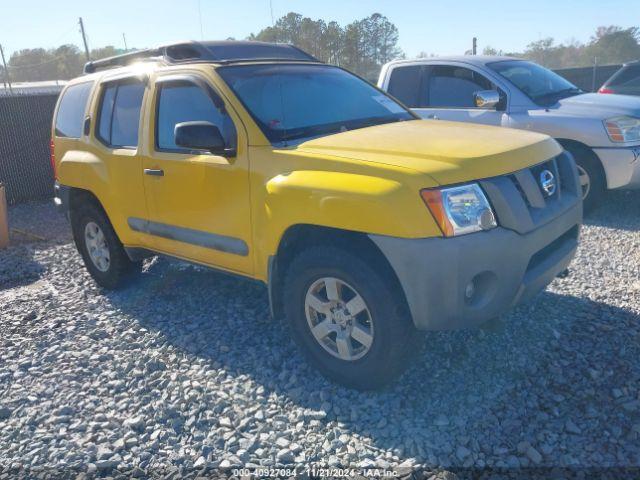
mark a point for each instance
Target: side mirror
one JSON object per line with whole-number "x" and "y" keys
{"x": 200, "y": 136}
{"x": 486, "y": 99}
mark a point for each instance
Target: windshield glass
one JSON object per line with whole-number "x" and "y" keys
{"x": 541, "y": 85}
{"x": 294, "y": 101}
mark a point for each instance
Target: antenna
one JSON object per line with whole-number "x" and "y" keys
{"x": 271, "y": 9}
{"x": 200, "y": 18}
{"x": 125, "y": 42}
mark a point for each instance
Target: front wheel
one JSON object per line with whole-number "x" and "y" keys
{"x": 347, "y": 318}
{"x": 591, "y": 176}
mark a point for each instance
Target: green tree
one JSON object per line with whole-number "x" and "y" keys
{"x": 613, "y": 45}
{"x": 362, "y": 46}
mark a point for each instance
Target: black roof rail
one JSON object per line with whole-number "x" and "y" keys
{"x": 224, "y": 52}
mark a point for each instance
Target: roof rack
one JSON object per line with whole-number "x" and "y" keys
{"x": 223, "y": 52}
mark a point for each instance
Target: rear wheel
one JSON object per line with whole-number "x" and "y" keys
{"x": 347, "y": 319}
{"x": 100, "y": 248}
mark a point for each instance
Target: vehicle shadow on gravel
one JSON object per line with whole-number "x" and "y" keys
{"x": 18, "y": 267}
{"x": 620, "y": 209}
{"x": 545, "y": 377}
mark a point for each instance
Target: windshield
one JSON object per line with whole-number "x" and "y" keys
{"x": 293, "y": 101}
{"x": 541, "y": 85}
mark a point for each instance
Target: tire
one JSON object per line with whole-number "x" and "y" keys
{"x": 394, "y": 339}
{"x": 592, "y": 178}
{"x": 111, "y": 271}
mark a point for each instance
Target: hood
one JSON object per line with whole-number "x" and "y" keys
{"x": 449, "y": 152}
{"x": 597, "y": 105}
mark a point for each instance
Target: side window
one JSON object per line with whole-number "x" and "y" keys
{"x": 627, "y": 77}
{"x": 182, "y": 101}
{"x": 454, "y": 87}
{"x": 405, "y": 85}
{"x": 119, "y": 116}
{"x": 70, "y": 116}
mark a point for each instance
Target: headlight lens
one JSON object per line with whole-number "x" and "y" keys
{"x": 460, "y": 210}
{"x": 623, "y": 129}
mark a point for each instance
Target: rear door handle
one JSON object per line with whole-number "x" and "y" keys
{"x": 156, "y": 172}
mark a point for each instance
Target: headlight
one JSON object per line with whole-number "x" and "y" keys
{"x": 460, "y": 210}
{"x": 623, "y": 129}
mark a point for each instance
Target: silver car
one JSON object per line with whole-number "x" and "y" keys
{"x": 601, "y": 131}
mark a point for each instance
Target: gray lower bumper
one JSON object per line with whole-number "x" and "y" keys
{"x": 504, "y": 267}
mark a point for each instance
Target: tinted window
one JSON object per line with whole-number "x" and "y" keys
{"x": 404, "y": 84}
{"x": 291, "y": 102}
{"x": 120, "y": 114}
{"x": 627, "y": 80}
{"x": 541, "y": 85}
{"x": 455, "y": 86}
{"x": 73, "y": 104}
{"x": 186, "y": 102}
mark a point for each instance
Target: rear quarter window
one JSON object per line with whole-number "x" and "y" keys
{"x": 119, "y": 116}
{"x": 70, "y": 115}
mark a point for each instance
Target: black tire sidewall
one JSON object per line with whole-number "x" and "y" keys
{"x": 597, "y": 187}
{"x": 387, "y": 356}
{"x": 118, "y": 265}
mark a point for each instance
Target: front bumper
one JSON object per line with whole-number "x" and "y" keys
{"x": 463, "y": 281}
{"x": 621, "y": 166}
{"x": 505, "y": 267}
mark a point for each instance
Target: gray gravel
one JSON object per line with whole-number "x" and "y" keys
{"x": 184, "y": 369}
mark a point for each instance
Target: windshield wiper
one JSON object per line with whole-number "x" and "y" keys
{"x": 559, "y": 94}
{"x": 337, "y": 127}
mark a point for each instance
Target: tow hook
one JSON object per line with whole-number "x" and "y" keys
{"x": 564, "y": 273}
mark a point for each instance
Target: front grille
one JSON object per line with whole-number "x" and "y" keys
{"x": 520, "y": 201}
{"x": 541, "y": 255}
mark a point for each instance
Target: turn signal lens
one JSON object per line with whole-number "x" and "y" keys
{"x": 433, "y": 199}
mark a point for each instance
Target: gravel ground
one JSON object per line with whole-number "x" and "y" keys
{"x": 184, "y": 370}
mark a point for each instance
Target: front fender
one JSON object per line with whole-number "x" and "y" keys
{"x": 347, "y": 201}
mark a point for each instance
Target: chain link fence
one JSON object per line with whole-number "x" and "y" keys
{"x": 589, "y": 79}
{"x": 25, "y": 132}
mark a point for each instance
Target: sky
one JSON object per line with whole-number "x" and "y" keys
{"x": 434, "y": 27}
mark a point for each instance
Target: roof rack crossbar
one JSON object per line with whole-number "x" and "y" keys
{"x": 183, "y": 52}
{"x": 121, "y": 60}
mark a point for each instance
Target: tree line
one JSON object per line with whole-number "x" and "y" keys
{"x": 608, "y": 46}
{"x": 362, "y": 46}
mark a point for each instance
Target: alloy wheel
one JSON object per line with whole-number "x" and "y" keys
{"x": 339, "y": 318}
{"x": 97, "y": 246}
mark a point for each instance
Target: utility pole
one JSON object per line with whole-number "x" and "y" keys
{"x": 84, "y": 39}
{"x": 6, "y": 72}
{"x": 125, "y": 42}
{"x": 595, "y": 73}
{"x": 475, "y": 46}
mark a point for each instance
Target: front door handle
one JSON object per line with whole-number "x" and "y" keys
{"x": 156, "y": 172}
{"x": 433, "y": 116}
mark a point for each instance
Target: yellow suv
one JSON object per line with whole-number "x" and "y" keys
{"x": 366, "y": 223}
